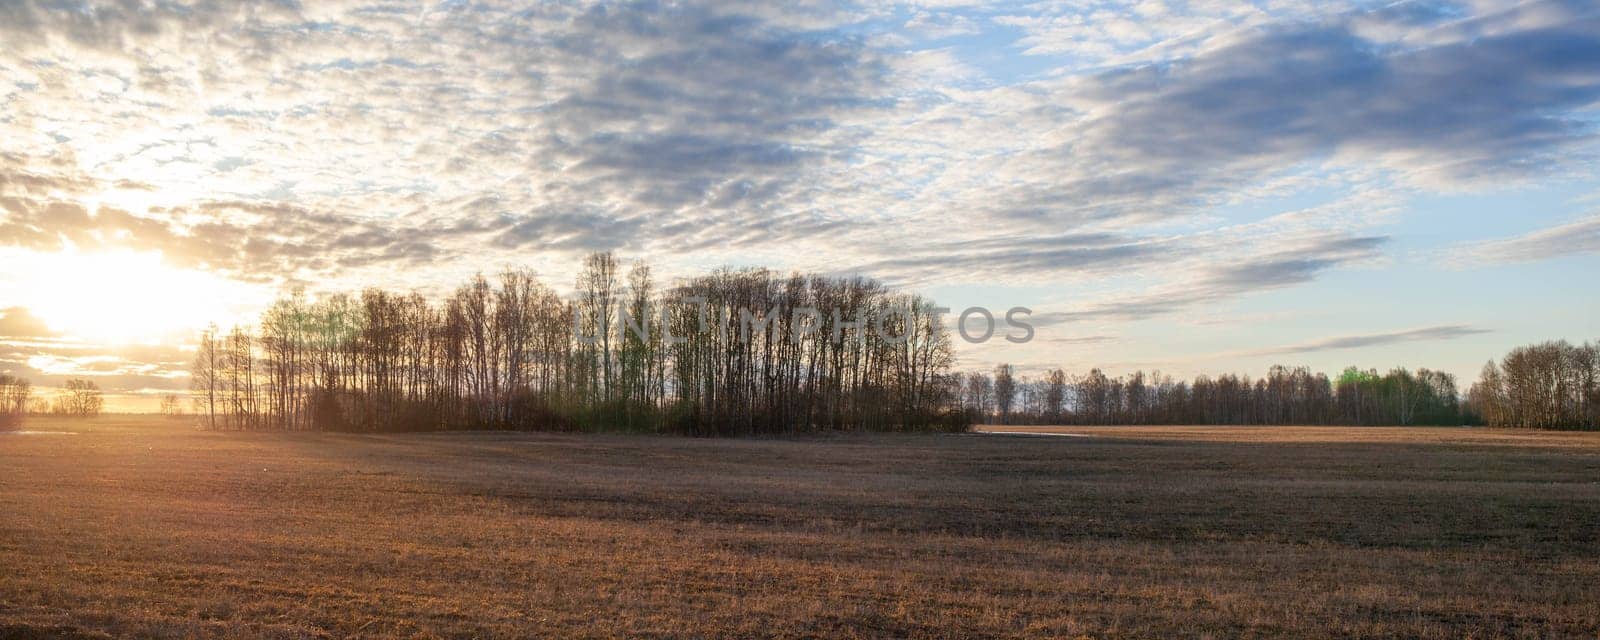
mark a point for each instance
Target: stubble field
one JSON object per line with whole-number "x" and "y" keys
{"x": 146, "y": 528}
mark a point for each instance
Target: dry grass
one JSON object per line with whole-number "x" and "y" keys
{"x": 1284, "y": 435}
{"x": 135, "y": 527}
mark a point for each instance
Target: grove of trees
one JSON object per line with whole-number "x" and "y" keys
{"x": 737, "y": 351}
{"x": 172, "y": 406}
{"x": 79, "y": 397}
{"x": 1550, "y": 385}
{"x": 14, "y": 395}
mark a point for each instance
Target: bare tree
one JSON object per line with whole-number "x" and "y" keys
{"x": 205, "y": 374}
{"x": 1005, "y": 391}
{"x": 980, "y": 395}
{"x": 238, "y": 360}
{"x": 597, "y": 286}
{"x": 172, "y": 406}
{"x": 1055, "y": 395}
{"x": 79, "y": 397}
{"x": 15, "y": 392}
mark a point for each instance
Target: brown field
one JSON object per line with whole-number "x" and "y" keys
{"x": 139, "y": 527}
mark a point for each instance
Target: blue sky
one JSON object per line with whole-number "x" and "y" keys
{"x": 1185, "y": 186}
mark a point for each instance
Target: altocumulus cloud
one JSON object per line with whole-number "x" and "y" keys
{"x": 1452, "y": 101}
{"x": 292, "y": 141}
{"x": 708, "y": 127}
{"x": 1412, "y": 96}
{"x": 360, "y": 133}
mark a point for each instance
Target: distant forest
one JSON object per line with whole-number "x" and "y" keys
{"x": 1291, "y": 396}
{"x": 1553, "y": 385}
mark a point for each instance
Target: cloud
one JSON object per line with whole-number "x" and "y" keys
{"x": 49, "y": 362}
{"x": 701, "y": 127}
{"x": 17, "y": 322}
{"x": 1443, "y": 332}
{"x": 593, "y": 125}
{"x": 1105, "y": 31}
{"x": 1041, "y": 257}
{"x": 1435, "y": 101}
{"x": 937, "y": 25}
{"x": 1072, "y": 340}
{"x": 1378, "y": 105}
{"x": 1224, "y": 281}
{"x": 1580, "y": 236}
{"x": 246, "y": 241}
{"x": 680, "y": 100}
{"x": 580, "y": 230}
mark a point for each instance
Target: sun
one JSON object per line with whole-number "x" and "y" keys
{"x": 119, "y": 297}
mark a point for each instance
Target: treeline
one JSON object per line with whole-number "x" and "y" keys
{"x": 78, "y": 397}
{"x": 735, "y": 352}
{"x": 1290, "y": 396}
{"x": 1551, "y": 385}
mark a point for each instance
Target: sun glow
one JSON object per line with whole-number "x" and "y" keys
{"x": 117, "y": 297}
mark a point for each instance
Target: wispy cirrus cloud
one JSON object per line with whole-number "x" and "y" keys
{"x": 1442, "y": 332}
{"x": 1221, "y": 282}
{"x": 1581, "y": 236}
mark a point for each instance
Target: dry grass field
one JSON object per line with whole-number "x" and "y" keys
{"x": 139, "y": 527}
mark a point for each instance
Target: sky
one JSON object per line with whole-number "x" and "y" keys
{"x": 1189, "y": 187}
